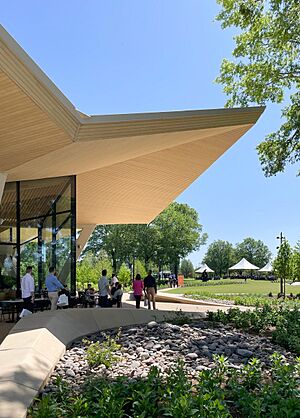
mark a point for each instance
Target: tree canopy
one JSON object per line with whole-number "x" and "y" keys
{"x": 283, "y": 263}
{"x": 172, "y": 235}
{"x": 219, "y": 256}
{"x": 255, "y": 251}
{"x": 266, "y": 68}
{"x": 187, "y": 268}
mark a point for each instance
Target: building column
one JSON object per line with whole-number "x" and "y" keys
{"x": 85, "y": 233}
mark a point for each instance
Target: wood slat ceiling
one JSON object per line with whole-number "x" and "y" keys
{"x": 137, "y": 190}
{"x": 80, "y": 157}
{"x": 25, "y": 131}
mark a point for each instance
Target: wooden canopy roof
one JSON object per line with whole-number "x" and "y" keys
{"x": 128, "y": 167}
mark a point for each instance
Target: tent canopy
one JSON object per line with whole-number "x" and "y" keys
{"x": 244, "y": 265}
{"x": 204, "y": 267}
{"x": 267, "y": 268}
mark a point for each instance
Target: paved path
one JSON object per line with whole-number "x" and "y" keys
{"x": 170, "y": 306}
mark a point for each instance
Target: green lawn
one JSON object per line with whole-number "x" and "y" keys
{"x": 235, "y": 287}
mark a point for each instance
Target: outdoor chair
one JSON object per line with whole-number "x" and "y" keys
{"x": 7, "y": 309}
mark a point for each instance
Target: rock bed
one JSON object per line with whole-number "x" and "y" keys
{"x": 162, "y": 345}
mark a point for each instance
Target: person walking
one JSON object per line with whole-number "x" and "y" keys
{"x": 138, "y": 287}
{"x": 150, "y": 289}
{"x": 103, "y": 287}
{"x": 52, "y": 285}
{"x": 27, "y": 287}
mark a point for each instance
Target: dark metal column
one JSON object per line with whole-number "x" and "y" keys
{"x": 40, "y": 256}
{"x": 18, "y": 229}
{"x": 73, "y": 235}
{"x": 53, "y": 243}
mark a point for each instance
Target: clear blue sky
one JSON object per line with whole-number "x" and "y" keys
{"x": 137, "y": 56}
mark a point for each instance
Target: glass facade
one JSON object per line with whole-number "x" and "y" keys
{"x": 38, "y": 228}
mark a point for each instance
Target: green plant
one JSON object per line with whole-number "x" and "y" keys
{"x": 124, "y": 275}
{"x": 220, "y": 392}
{"x": 283, "y": 321}
{"x": 102, "y": 352}
{"x": 180, "y": 318}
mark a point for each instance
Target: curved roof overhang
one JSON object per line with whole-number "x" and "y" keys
{"x": 128, "y": 167}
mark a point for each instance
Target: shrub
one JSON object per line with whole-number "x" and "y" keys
{"x": 102, "y": 352}
{"x": 220, "y": 392}
{"x": 285, "y": 321}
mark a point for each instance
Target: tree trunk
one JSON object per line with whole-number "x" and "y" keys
{"x": 114, "y": 260}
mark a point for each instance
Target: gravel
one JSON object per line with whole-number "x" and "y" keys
{"x": 162, "y": 345}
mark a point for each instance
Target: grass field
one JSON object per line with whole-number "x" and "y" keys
{"x": 235, "y": 287}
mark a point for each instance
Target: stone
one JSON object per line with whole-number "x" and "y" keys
{"x": 192, "y": 356}
{"x": 157, "y": 347}
{"x": 152, "y": 324}
{"x": 244, "y": 353}
{"x": 70, "y": 373}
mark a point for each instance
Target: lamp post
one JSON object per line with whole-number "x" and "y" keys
{"x": 281, "y": 238}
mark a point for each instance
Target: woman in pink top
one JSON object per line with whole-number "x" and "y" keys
{"x": 138, "y": 286}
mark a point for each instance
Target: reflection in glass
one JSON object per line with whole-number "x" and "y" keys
{"x": 40, "y": 232}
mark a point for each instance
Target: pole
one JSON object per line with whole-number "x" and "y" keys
{"x": 282, "y": 280}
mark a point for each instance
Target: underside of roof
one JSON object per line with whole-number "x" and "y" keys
{"x": 128, "y": 167}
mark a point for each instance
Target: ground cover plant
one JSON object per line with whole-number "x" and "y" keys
{"x": 239, "y": 292}
{"x": 220, "y": 392}
{"x": 102, "y": 353}
{"x": 282, "y": 322}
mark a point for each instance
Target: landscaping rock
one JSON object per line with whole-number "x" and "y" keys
{"x": 244, "y": 353}
{"x": 163, "y": 345}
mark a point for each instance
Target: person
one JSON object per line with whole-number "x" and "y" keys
{"x": 150, "y": 289}
{"x": 27, "y": 287}
{"x": 138, "y": 287}
{"x": 114, "y": 280}
{"x": 117, "y": 296}
{"x": 204, "y": 276}
{"x": 89, "y": 296}
{"x": 103, "y": 289}
{"x": 113, "y": 283}
{"x": 53, "y": 285}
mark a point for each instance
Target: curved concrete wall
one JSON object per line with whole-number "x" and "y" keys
{"x": 33, "y": 347}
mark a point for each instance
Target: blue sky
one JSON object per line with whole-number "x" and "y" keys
{"x": 137, "y": 56}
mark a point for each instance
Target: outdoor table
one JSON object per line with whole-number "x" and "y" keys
{"x": 17, "y": 305}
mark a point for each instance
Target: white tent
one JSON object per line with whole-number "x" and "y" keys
{"x": 244, "y": 265}
{"x": 267, "y": 268}
{"x": 204, "y": 267}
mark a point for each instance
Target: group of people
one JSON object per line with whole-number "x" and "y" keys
{"x": 53, "y": 286}
{"x": 114, "y": 290}
{"x": 147, "y": 286}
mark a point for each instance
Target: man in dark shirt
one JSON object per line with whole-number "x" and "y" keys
{"x": 150, "y": 289}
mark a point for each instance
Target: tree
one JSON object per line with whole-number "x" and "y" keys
{"x": 180, "y": 233}
{"x": 172, "y": 235}
{"x": 219, "y": 256}
{"x": 296, "y": 262}
{"x": 255, "y": 251}
{"x": 282, "y": 264}
{"x": 116, "y": 240}
{"x": 86, "y": 273}
{"x": 187, "y": 268}
{"x": 139, "y": 268}
{"x": 266, "y": 67}
{"x": 124, "y": 275}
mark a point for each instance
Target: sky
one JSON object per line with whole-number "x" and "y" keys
{"x": 128, "y": 56}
